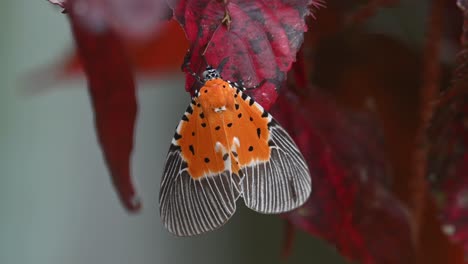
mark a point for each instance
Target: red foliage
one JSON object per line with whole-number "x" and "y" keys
{"x": 162, "y": 53}
{"x": 349, "y": 205}
{"x": 448, "y": 157}
{"x": 259, "y": 39}
{"x": 448, "y": 168}
{"x": 369, "y": 213}
{"x": 134, "y": 19}
{"x": 112, "y": 90}
{"x": 157, "y": 55}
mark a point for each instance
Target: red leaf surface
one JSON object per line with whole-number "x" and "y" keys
{"x": 60, "y": 3}
{"x": 133, "y": 19}
{"x": 351, "y": 205}
{"x": 259, "y": 39}
{"x": 448, "y": 168}
{"x": 112, "y": 90}
{"x": 448, "y": 156}
{"x": 162, "y": 53}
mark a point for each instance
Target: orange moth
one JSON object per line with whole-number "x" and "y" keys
{"x": 226, "y": 147}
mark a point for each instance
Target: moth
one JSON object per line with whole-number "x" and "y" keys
{"x": 228, "y": 147}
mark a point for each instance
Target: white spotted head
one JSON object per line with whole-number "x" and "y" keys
{"x": 210, "y": 74}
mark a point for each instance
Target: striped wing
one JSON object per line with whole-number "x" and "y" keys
{"x": 282, "y": 183}
{"x": 191, "y": 206}
{"x": 243, "y": 152}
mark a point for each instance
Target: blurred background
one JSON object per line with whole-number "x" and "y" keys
{"x": 57, "y": 202}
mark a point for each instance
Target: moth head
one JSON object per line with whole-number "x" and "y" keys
{"x": 210, "y": 74}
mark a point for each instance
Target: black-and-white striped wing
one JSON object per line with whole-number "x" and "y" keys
{"x": 281, "y": 184}
{"x": 194, "y": 206}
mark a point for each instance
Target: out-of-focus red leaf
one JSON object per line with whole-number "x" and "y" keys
{"x": 355, "y": 69}
{"x": 112, "y": 90}
{"x": 369, "y": 10}
{"x": 351, "y": 205}
{"x": 448, "y": 167}
{"x": 159, "y": 55}
{"x": 133, "y": 19}
{"x": 60, "y": 3}
{"x": 259, "y": 39}
{"x": 448, "y": 159}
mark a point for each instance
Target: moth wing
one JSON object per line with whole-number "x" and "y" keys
{"x": 282, "y": 183}
{"x": 191, "y": 206}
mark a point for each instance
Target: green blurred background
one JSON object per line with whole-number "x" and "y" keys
{"x": 57, "y": 204}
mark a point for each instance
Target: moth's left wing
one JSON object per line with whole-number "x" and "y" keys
{"x": 194, "y": 205}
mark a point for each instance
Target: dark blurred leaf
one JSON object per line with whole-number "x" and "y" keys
{"x": 448, "y": 156}
{"x": 448, "y": 162}
{"x": 351, "y": 205}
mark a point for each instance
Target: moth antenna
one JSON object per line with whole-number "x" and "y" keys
{"x": 186, "y": 66}
{"x": 222, "y": 64}
{"x": 204, "y": 59}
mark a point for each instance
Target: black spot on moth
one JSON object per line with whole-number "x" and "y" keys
{"x": 190, "y": 110}
{"x": 192, "y": 149}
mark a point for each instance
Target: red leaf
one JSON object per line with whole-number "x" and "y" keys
{"x": 448, "y": 156}
{"x": 132, "y": 19}
{"x": 448, "y": 167}
{"x": 60, "y": 3}
{"x": 259, "y": 39}
{"x": 156, "y": 56}
{"x": 351, "y": 205}
{"x": 112, "y": 90}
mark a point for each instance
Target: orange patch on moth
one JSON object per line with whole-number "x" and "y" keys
{"x": 219, "y": 116}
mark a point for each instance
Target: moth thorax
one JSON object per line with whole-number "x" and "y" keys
{"x": 216, "y": 104}
{"x": 215, "y": 98}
